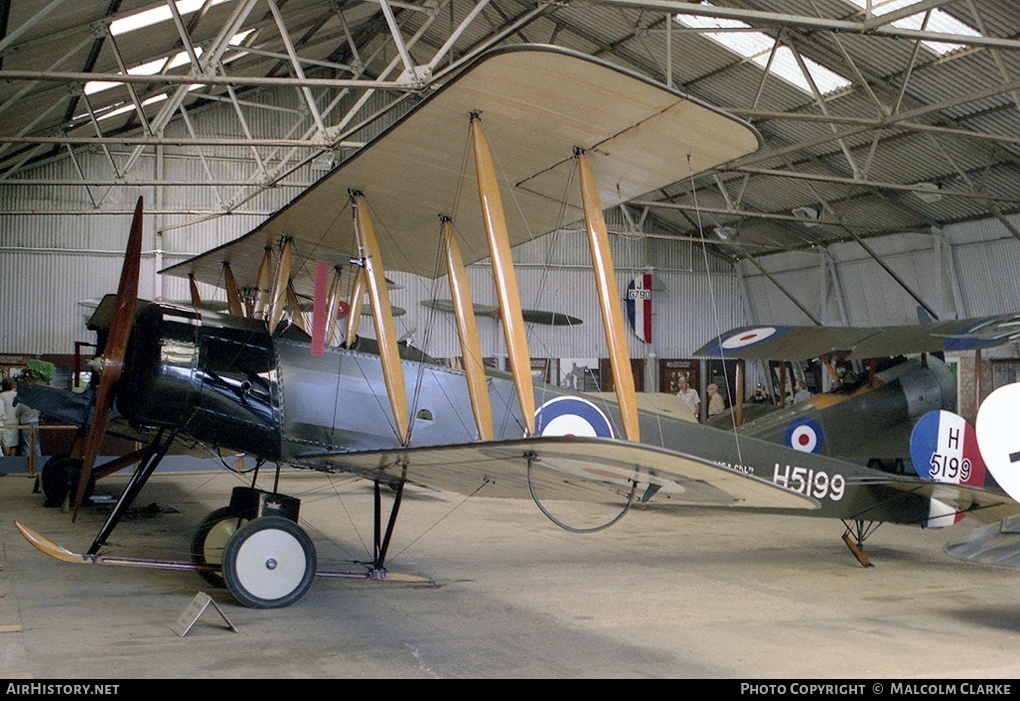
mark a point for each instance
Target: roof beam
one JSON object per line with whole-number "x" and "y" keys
{"x": 8, "y": 41}
{"x": 191, "y": 79}
{"x": 874, "y": 27}
{"x": 862, "y": 182}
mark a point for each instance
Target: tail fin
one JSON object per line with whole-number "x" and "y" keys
{"x": 999, "y": 439}
{"x": 944, "y": 448}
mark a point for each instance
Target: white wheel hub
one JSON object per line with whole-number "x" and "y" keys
{"x": 271, "y": 564}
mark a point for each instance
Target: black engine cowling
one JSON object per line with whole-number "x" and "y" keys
{"x": 206, "y": 375}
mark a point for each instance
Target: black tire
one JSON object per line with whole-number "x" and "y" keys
{"x": 269, "y": 563}
{"x": 60, "y": 478}
{"x": 210, "y": 540}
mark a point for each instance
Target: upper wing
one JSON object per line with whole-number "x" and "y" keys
{"x": 536, "y": 103}
{"x": 797, "y": 343}
{"x": 572, "y": 468}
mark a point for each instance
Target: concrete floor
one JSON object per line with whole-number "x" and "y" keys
{"x": 704, "y": 594}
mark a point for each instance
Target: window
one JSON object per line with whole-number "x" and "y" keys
{"x": 940, "y": 21}
{"x": 147, "y": 18}
{"x": 758, "y": 47}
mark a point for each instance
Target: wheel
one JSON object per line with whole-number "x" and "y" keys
{"x": 60, "y": 477}
{"x": 52, "y": 482}
{"x": 210, "y": 540}
{"x": 269, "y": 563}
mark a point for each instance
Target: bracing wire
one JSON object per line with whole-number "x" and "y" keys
{"x": 711, "y": 292}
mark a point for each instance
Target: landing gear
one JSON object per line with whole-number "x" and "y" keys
{"x": 255, "y": 548}
{"x": 854, "y": 536}
{"x": 269, "y": 563}
{"x": 266, "y": 559}
{"x": 60, "y": 477}
{"x": 211, "y": 538}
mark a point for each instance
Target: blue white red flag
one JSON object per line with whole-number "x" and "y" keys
{"x": 639, "y": 306}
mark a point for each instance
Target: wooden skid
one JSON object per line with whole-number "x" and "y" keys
{"x": 57, "y": 552}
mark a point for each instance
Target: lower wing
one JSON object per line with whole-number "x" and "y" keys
{"x": 571, "y": 468}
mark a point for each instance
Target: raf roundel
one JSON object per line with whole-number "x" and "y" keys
{"x": 571, "y": 416}
{"x": 748, "y": 337}
{"x": 804, "y": 435}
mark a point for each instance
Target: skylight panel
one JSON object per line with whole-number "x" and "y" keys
{"x": 758, "y": 47}
{"x": 239, "y": 38}
{"x": 785, "y": 66}
{"x": 127, "y": 107}
{"x": 150, "y": 68}
{"x": 122, "y": 107}
{"x": 147, "y": 18}
{"x": 940, "y": 21}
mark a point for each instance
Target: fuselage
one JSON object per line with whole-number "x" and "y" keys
{"x": 870, "y": 421}
{"x": 227, "y": 382}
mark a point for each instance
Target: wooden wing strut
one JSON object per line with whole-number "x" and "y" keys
{"x": 294, "y": 305}
{"x": 279, "y": 294}
{"x": 333, "y": 307}
{"x": 506, "y": 281}
{"x": 234, "y": 305}
{"x": 612, "y": 317}
{"x": 382, "y": 315}
{"x": 354, "y": 308}
{"x": 467, "y": 329}
{"x": 196, "y": 298}
{"x": 262, "y": 284}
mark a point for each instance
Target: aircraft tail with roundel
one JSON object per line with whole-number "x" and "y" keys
{"x": 944, "y": 448}
{"x": 999, "y": 441}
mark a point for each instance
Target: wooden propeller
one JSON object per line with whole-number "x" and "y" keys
{"x": 113, "y": 354}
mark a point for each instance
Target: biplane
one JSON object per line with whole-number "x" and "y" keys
{"x": 884, "y": 380}
{"x": 321, "y": 395}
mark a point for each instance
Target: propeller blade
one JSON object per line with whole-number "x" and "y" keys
{"x": 113, "y": 354}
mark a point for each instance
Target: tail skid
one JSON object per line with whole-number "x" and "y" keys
{"x": 854, "y": 536}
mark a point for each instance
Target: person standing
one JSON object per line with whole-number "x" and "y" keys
{"x": 9, "y": 435}
{"x": 28, "y": 418}
{"x": 716, "y": 405}
{"x": 689, "y": 397}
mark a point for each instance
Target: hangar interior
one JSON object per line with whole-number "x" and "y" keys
{"x": 886, "y": 185}
{"x": 884, "y": 190}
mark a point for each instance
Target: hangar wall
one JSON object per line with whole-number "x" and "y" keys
{"x": 52, "y": 261}
{"x": 965, "y": 270}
